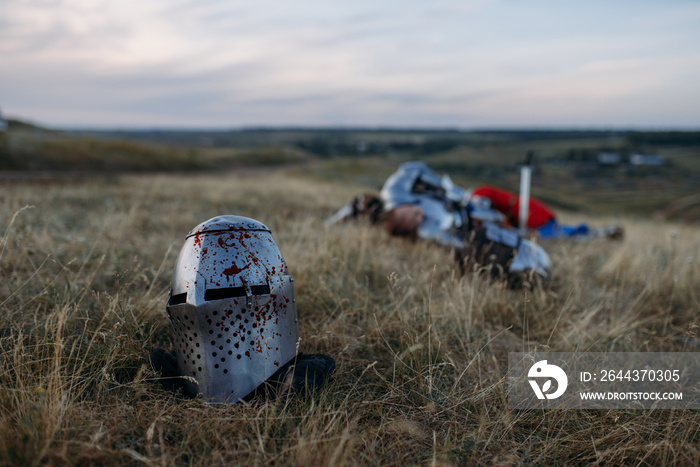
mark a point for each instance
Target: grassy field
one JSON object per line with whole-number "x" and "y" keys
{"x": 421, "y": 351}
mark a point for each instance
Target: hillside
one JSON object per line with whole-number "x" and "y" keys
{"x": 567, "y": 173}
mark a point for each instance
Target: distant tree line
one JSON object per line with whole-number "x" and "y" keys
{"x": 664, "y": 138}
{"x": 324, "y": 147}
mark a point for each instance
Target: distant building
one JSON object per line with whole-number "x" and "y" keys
{"x": 637, "y": 160}
{"x": 3, "y": 123}
{"x": 609, "y": 158}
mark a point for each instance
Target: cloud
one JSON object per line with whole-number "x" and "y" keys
{"x": 227, "y": 63}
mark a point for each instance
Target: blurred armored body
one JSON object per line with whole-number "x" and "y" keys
{"x": 440, "y": 201}
{"x": 417, "y": 202}
{"x": 234, "y": 317}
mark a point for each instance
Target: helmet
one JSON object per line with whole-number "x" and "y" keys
{"x": 232, "y": 308}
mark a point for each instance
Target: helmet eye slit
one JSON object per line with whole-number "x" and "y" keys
{"x": 263, "y": 289}
{"x": 226, "y": 292}
{"x": 178, "y": 299}
{"x": 229, "y": 292}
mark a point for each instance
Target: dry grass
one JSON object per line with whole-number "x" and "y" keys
{"x": 421, "y": 351}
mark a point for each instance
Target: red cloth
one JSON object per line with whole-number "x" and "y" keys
{"x": 509, "y": 204}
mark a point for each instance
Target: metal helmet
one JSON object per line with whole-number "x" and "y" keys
{"x": 232, "y": 308}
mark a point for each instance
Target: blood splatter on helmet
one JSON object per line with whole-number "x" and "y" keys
{"x": 232, "y": 308}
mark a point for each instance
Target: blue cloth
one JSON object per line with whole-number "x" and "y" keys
{"x": 554, "y": 229}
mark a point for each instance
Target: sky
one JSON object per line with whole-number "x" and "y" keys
{"x": 465, "y": 64}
